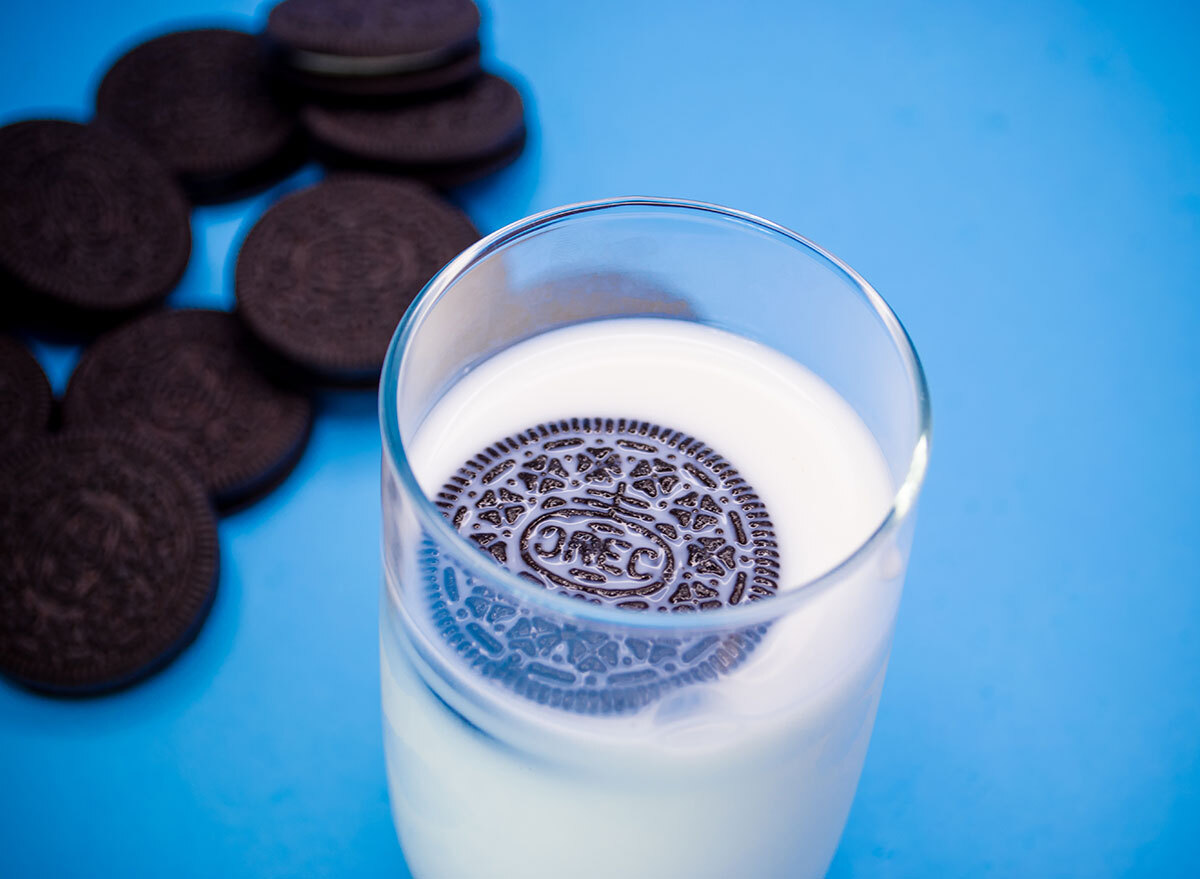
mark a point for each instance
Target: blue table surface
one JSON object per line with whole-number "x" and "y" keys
{"x": 1021, "y": 181}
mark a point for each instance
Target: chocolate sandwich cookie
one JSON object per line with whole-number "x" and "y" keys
{"x": 446, "y": 141}
{"x": 373, "y": 48}
{"x": 90, "y": 225}
{"x": 110, "y": 561}
{"x": 201, "y": 103}
{"x": 187, "y": 381}
{"x": 25, "y": 397}
{"x": 325, "y": 275}
{"x": 611, "y": 511}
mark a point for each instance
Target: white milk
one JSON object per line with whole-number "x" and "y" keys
{"x": 750, "y": 775}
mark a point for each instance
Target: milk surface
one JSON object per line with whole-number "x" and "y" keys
{"x": 748, "y": 775}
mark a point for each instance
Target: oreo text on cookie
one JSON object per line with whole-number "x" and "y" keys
{"x": 617, "y": 510}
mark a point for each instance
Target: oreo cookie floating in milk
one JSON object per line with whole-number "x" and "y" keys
{"x": 611, "y": 511}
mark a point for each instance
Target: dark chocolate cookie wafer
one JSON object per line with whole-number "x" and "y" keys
{"x": 611, "y": 511}
{"x": 200, "y": 102}
{"x": 373, "y": 47}
{"x": 25, "y": 397}
{"x": 110, "y": 561}
{"x": 453, "y": 139}
{"x": 187, "y": 380}
{"x": 326, "y": 274}
{"x": 462, "y": 173}
{"x": 89, "y": 223}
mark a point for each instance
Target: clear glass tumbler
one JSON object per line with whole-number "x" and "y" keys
{"x": 649, "y": 478}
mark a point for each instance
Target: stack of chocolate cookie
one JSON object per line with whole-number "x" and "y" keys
{"x": 396, "y": 87}
{"x": 108, "y": 498}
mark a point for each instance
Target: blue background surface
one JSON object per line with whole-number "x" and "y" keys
{"x": 1021, "y": 181}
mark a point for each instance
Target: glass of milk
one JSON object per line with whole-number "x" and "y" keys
{"x": 649, "y": 481}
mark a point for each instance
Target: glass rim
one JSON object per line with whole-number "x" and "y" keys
{"x": 485, "y": 568}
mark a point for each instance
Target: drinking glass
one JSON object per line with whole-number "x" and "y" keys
{"x": 497, "y": 767}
